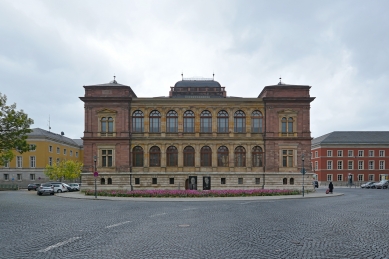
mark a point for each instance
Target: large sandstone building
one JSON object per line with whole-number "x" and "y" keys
{"x": 198, "y": 137}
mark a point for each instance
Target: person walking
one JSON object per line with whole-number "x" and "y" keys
{"x": 331, "y": 187}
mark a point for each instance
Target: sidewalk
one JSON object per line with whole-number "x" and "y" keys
{"x": 320, "y": 193}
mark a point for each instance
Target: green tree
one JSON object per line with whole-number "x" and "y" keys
{"x": 14, "y": 126}
{"x": 66, "y": 169}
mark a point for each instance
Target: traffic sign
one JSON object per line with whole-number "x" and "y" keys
{"x": 95, "y": 174}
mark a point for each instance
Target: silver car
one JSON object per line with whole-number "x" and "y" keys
{"x": 45, "y": 188}
{"x": 382, "y": 184}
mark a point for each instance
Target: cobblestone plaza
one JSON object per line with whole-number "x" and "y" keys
{"x": 354, "y": 225}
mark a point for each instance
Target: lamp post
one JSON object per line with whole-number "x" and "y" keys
{"x": 303, "y": 171}
{"x": 95, "y": 174}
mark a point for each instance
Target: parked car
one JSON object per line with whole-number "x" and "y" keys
{"x": 75, "y": 186}
{"x": 370, "y": 185}
{"x": 33, "y": 186}
{"x": 70, "y": 188}
{"x": 59, "y": 187}
{"x": 364, "y": 185}
{"x": 315, "y": 184}
{"x": 45, "y": 188}
{"x": 382, "y": 184}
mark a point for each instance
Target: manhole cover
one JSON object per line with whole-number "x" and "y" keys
{"x": 183, "y": 226}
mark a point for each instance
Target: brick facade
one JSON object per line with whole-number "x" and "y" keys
{"x": 246, "y": 168}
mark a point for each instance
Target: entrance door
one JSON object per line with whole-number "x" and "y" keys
{"x": 186, "y": 184}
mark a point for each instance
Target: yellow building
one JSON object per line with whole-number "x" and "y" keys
{"x": 49, "y": 148}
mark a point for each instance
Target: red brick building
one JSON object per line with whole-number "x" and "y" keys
{"x": 361, "y": 155}
{"x": 197, "y": 133}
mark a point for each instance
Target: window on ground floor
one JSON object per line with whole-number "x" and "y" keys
{"x": 329, "y": 177}
{"x": 154, "y": 181}
{"x": 360, "y": 177}
{"x": 137, "y": 180}
{"x": 257, "y": 180}
{"x": 223, "y": 181}
{"x": 6, "y": 177}
{"x": 291, "y": 181}
{"x": 109, "y": 180}
{"x": 171, "y": 180}
{"x": 371, "y": 177}
{"x": 240, "y": 180}
{"x": 19, "y": 177}
{"x": 340, "y": 177}
{"x": 32, "y": 177}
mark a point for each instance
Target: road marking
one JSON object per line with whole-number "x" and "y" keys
{"x": 190, "y": 209}
{"x": 155, "y": 215}
{"x": 59, "y": 244}
{"x": 254, "y": 201}
{"x": 118, "y": 224}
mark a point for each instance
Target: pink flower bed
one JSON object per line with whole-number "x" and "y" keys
{"x": 191, "y": 193}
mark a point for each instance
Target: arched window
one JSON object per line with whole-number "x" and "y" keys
{"x": 222, "y": 156}
{"x": 290, "y": 125}
{"x": 291, "y": 181}
{"x": 171, "y": 156}
{"x": 172, "y": 121}
{"x": 284, "y": 181}
{"x": 283, "y": 125}
{"x": 240, "y": 157}
{"x": 189, "y": 118}
{"x": 222, "y": 122}
{"x": 189, "y": 156}
{"x": 206, "y": 156}
{"x": 102, "y": 181}
{"x": 205, "y": 122}
{"x": 257, "y": 156}
{"x": 137, "y": 156}
{"x": 109, "y": 180}
{"x": 106, "y": 125}
{"x": 239, "y": 122}
{"x": 155, "y": 156}
{"x": 137, "y": 121}
{"x": 287, "y": 125}
{"x": 155, "y": 121}
{"x": 256, "y": 122}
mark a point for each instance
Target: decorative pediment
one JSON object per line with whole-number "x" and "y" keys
{"x": 287, "y": 111}
{"x": 106, "y": 111}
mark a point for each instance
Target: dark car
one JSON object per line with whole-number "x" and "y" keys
{"x": 315, "y": 184}
{"x": 33, "y": 186}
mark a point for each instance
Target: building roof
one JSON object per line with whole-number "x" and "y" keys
{"x": 353, "y": 137}
{"x": 197, "y": 83}
{"x": 41, "y": 133}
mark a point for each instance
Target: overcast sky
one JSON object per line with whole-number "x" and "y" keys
{"x": 50, "y": 49}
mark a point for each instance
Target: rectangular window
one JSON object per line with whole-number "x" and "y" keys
{"x": 76, "y": 154}
{"x": 240, "y": 180}
{"x": 57, "y": 161}
{"x": 360, "y": 165}
{"x": 329, "y": 153}
{"x": 171, "y": 180}
{"x": 360, "y": 153}
{"x": 6, "y": 177}
{"x": 350, "y": 153}
{"x": 64, "y": 151}
{"x": 316, "y": 165}
{"x": 371, "y": 177}
{"x": 287, "y": 158}
{"x": 71, "y": 152}
{"x": 19, "y": 177}
{"x": 6, "y": 164}
{"x": 32, "y": 177}
{"x": 19, "y": 162}
{"x": 58, "y": 150}
{"x": 32, "y": 147}
{"x": 51, "y": 149}
{"x": 340, "y": 152}
{"x": 360, "y": 177}
{"x": 371, "y": 165}
{"x": 340, "y": 177}
{"x": 329, "y": 165}
{"x": 257, "y": 180}
{"x": 107, "y": 157}
{"x": 340, "y": 165}
{"x": 50, "y": 161}
{"x": 371, "y": 153}
{"x": 154, "y": 181}
{"x": 316, "y": 154}
{"x": 382, "y": 153}
{"x": 382, "y": 165}
{"x": 350, "y": 165}
{"x": 137, "y": 180}
{"x": 329, "y": 177}
{"x": 32, "y": 161}
{"x": 223, "y": 181}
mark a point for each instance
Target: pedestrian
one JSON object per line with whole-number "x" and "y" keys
{"x": 331, "y": 187}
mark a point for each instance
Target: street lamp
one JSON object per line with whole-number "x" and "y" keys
{"x": 303, "y": 171}
{"x": 95, "y": 174}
